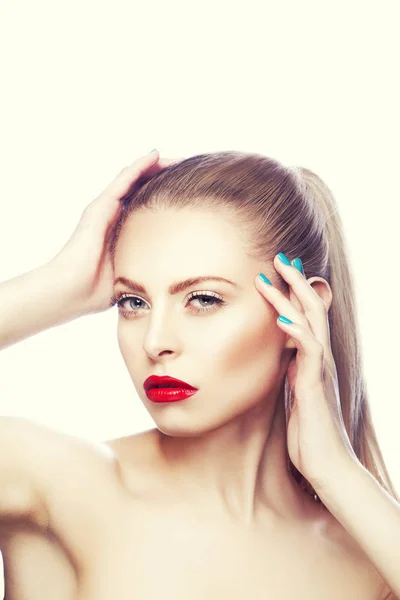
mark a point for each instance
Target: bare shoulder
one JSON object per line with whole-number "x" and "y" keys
{"x": 33, "y": 458}
{"x": 338, "y": 557}
{"x": 48, "y": 539}
{"x": 65, "y": 471}
{"x": 48, "y": 451}
{"x": 361, "y": 570}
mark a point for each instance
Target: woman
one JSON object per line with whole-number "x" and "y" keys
{"x": 222, "y": 498}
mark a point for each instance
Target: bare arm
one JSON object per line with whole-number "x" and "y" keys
{"x": 80, "y": 279}
{"x": 370, "y": 515}
{"x": 35, "y": 301}
{"x": 52, "y": 480}
{"x": 26, "y": 452}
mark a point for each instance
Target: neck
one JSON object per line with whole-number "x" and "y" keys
{"x": 241, "y": 466}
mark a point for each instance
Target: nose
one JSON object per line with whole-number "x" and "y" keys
{"x": 161, "y": 337}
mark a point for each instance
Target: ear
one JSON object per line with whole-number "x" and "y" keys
{"x": 323, "y": 289}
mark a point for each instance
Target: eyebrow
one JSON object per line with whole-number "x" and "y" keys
{"x": 174, "y": 288}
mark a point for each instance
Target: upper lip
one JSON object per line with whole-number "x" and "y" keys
{"x": 165, "y": 381}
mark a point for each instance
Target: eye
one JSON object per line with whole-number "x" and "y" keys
{"x": 132, "y": 301}
{"x": 209, "y": 296}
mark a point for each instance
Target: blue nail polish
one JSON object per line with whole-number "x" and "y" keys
{"x": 264, "y": 279}
{"x": 298, "y": 264}
{"x": 283, "y": 258}
{"x": 283, "y": 319}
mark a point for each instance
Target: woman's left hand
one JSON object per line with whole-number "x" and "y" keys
{"x": 316, "y": 436}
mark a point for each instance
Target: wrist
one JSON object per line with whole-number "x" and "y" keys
{"x": 338, "y": 475}
{"x": 34, "y": 301}
{"x": 62, "y": 290}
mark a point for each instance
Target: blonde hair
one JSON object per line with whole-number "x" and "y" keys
{"x": 290, "y": 210}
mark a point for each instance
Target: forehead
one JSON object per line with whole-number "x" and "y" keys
{"x": 180, "y": 240}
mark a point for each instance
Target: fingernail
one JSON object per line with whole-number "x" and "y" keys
{"x": 283, "y": 258}
{"x": 264, "y": 279}
{"x": 299, "y": 265}
{"x": 283, "y": 319}
{"x": 153, "y": 150}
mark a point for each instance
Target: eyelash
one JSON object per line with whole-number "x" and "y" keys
{"x": 118, "y": 300}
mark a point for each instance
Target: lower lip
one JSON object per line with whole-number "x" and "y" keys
{"x": 169, "y": 394}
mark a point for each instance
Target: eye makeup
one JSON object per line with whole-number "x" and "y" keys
{"x": 120, "y": 299}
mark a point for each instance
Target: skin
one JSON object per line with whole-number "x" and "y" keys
{"x": 202, "y": 506}
{"x": 227, "y": 442}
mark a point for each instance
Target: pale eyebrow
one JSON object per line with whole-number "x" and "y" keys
{"x": 174, "y": 288}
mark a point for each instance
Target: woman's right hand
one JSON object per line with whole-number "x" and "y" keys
{"x": 85, "y": 259}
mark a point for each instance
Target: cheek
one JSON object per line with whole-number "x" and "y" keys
{"x": 241, "y": 368}
{"x": 249, "y": 345}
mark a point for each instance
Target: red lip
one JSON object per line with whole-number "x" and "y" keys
{"x": 166, "y": 382}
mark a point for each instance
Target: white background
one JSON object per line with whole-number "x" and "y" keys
{"x": 88, "y": 87}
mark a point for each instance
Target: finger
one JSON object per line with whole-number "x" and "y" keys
{"x": 147, "y": 174}
{"x": 310, "y": 356}
{"x": 169, "y": 161}
{"x": 106, "y": 207}
{"x": 153, "y": 169}
{"x": 127, "y": 176}
{"x": 282, "y": 305}
{"x": 159, "y": 166}
{"x": 144, "y": 168}
{"x": 313, "y": 307}
{"x": 309, "y": 299}
{"x": 285, "y": 306}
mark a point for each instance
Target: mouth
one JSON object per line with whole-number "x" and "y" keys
{"x": 166, "y": 382}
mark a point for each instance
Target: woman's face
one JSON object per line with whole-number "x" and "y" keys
{"x": 229, "y": 350}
